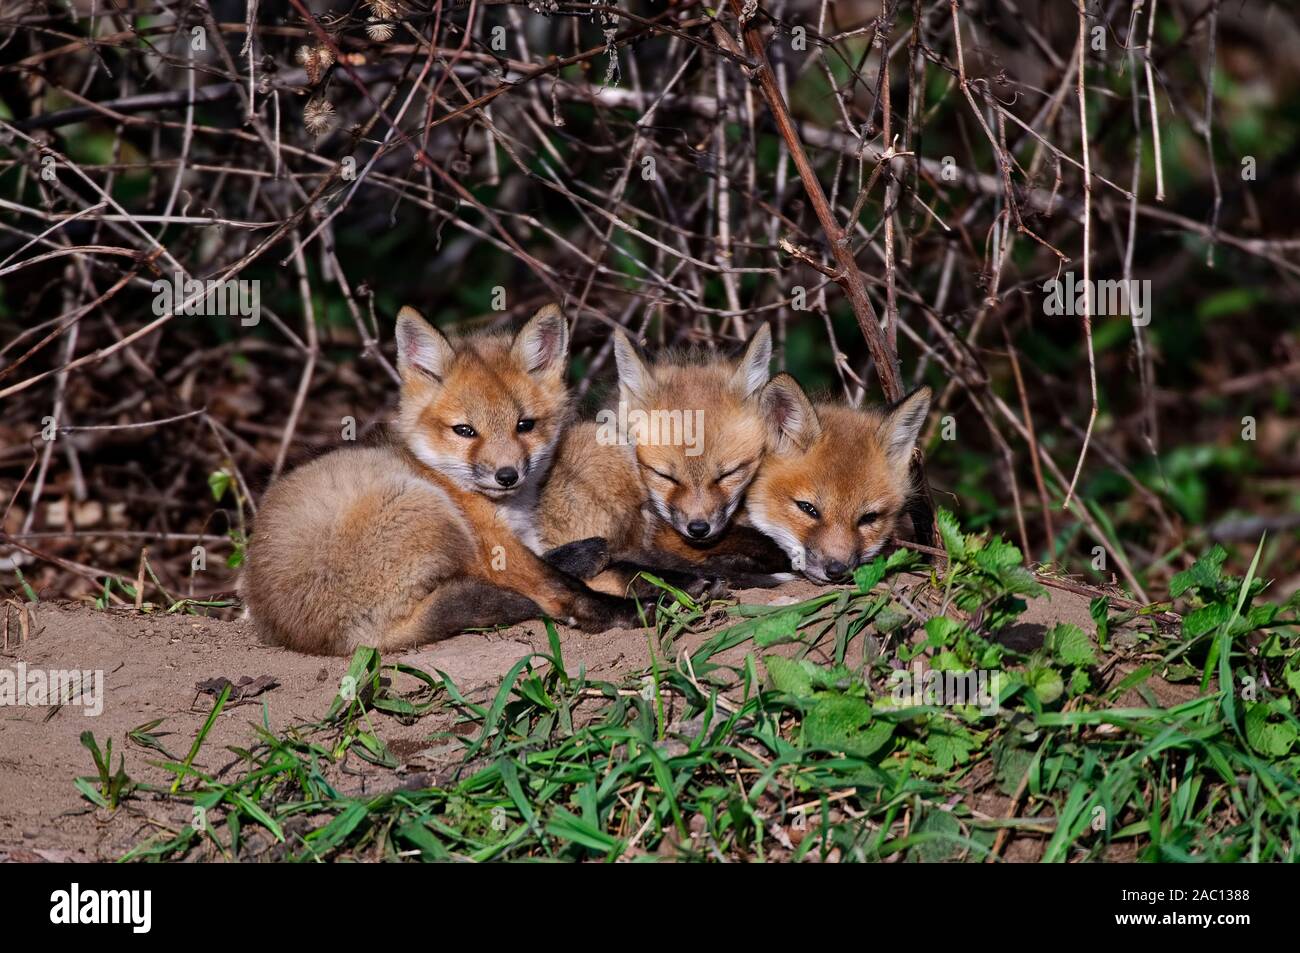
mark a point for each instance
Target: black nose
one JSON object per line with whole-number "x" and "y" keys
{"x": 836, "y": 569}
{"x": 698, "y": 529}
{"x": 507, "y": 476}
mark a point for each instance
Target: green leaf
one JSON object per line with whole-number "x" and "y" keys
{"x": 1099, "y": 609}
{"x": 1205, "y": 619}
{"x": 953, "y": 540}
{"x": 570, "y": 827}
{"x": 788, "y": 676}
{"x": 1204, "y": 574}
{"x": 948, "y": 748}
{"x": 891, "y": 618}
{"x": 941, "y": 631}
{"x": 219, "y": 482}
{"x": 1292, "y": 675}
{"x": 939, "y": 838}
{"x": 845, "y": 724}
{"x": 866, "y": 576}
{"x": 901, "y": 559}
{"x": 776, "y": 628}
{"x": 1079, "y": 681}
{"x": 1270, "y": 738}
{"x": 997, "y": 555}
{"x": 1045, "y": 683}
{"x": 1070, "y": 645}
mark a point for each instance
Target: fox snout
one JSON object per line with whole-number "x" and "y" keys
{"x": 833, "y": 554}
{"x": 823, "y": 567}
{"x": 501, "y": 470}
{"x": 700, "y": 516}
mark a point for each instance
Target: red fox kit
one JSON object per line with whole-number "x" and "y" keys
{"x": 835, "y": 480}
{"x": 397, "y": 545}
{"x": 669, "y": 467}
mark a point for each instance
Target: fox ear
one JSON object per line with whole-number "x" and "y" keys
{"x": 633, "y": 375}
{"x": 903, "y": 425}
{"x": 753, "y": 370}
{"x": 542, "y": 345}
{"x": 792, "y": 423}
{"x": 420, "y": 346}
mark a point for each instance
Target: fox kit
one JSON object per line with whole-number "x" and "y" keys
{"x": 835, "y": 480}
{"x": 397, "y": 545}
{"x": 668, "y": 469}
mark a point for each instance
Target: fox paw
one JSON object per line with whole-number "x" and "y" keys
{"x": 582, "y": 559}
{"x": 698, "y": 587}
{"x": 614, "y": 613}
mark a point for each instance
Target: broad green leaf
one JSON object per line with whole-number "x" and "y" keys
{"x": 1271, "y": 738}
{"x": 1046, "y": 684}
{"x": 1070, "y": 645}
{"x": 1205, "y": 573}
{"x": 780, "y": 627}
{"x": 845, "y": 724}
{"x": 788, "y": 676}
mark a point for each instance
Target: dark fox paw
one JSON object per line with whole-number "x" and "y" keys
{"x": 699, "y": 587}
{"x": 581, "y": 559}
{"x": 611, "y": 612}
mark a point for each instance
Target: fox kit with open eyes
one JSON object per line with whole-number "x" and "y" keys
{"x": 668, "y": 469}
{"x": 434, "y": 533}
{"x": 835, "y": 480}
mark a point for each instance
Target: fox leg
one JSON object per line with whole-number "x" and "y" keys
{"x": 561, "y": 595}
{"x": 590, "y": 560}
{"x": 742, "y": 559}
{"x": 458, "y": 605}
{"x": 741, "y": 549}
{"x": 581, "y": 559}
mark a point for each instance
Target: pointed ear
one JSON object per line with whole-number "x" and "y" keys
{"x": 420, "y": 346}
{"x": 903, "y": 424}
{"x": 542, "y": 345}
{"x": 753, "y": 370}
{"x": 792, "y": 423}
{"x": 633, "y": 375}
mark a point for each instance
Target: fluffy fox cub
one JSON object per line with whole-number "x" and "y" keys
{"x": 835, "y": 480}
{"x": 668, "y": 468}
{"x": 397, "y": 545}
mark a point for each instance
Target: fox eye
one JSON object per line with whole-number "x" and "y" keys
{"x": 464, "y": 430}
{"x": 808, "y": 508}
{"x": 525, "y": 425}
{"x": 732, "y": 472}
{"x": 868, "y": 518}
{"x": 662, "y": 475}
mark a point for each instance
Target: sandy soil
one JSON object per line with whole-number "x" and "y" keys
{"x": 151, "y": 665}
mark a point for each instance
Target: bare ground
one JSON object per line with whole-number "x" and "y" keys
{"x": 151, "y": 664}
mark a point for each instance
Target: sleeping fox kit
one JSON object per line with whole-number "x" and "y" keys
{"x": 432, "y": 534}
{"x": 721, "y": 472}
{"x": 673, "y": 480}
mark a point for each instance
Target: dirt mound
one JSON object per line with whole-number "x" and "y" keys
{"x": 151, "y": 665}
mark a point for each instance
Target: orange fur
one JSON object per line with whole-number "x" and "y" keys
{"x": 400, "y": 544}
{"x": 849, "y": 468}
{"x": 627, "y": 493}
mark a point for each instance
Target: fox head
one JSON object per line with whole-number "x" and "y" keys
{"x": 696, "y": 431}
{"x": 484, "y": 410}
{"x": 835, "y": 480}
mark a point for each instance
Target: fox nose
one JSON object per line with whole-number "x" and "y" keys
{"x": 698, "y": 529}
{"x": 507, "y": 476}
{"x": 835, "y": 569}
